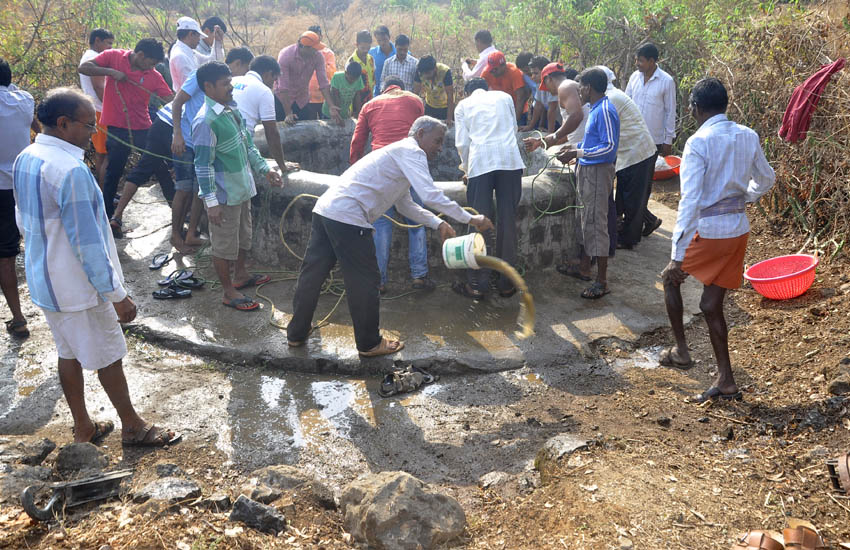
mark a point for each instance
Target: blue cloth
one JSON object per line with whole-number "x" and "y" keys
{"x": 191, "y": 107}
{"x": 418, "y": 250}
{"x": 530, "y": 83}
{"x": 601, "y": 135}
{"x": 379, "y": 57}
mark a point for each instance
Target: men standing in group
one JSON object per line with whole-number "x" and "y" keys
{"x": 298, "y": 63}
{"x": 654, "y": 92}
{"x": 380, "y": 53}
{"x": 72, "y": 266}
{"x": 505, "y": 77}
{"x": 184, "y": 58}
{"x": 361, "y": 55}
{"x": 597, "y": 155}
{"x": 723, "y": 168}
{"x": 99, "y": 40}
{"x": 389, "y": 117}
{"x": 252, "y": 92}
{"x": 225, "y": 157}
{"x": 316, "y": 98}
{"x": 130, "y": 81}
{"x": 486, "y": 139}
{"x": 401, "y": 65}
{"x": 434, "y": 82}
{"x": 16, "y": 119}
{"x": 545, "y": 113}
{"x": 484, "y": 44}
{"x": 560, "y": 81}
{"x": 342, "y": 227}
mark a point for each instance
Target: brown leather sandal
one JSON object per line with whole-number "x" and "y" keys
{"x": 803, "y": 538}
{"x": 757, "y": 540}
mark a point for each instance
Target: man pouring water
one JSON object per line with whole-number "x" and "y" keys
{"x": 342, "y": 231}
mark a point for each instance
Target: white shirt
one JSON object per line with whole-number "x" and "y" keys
{"x": 656, "y": 100}
{"x": 382, "y": 179}
{"x": 480, "y": 66}
{"x": 721, "y": 160}
{"x": 254, "y": 99}
{"x": 577, "y": 135}
{"x": 183, "y": 61}
{"x": 16, "y": 112}
{"x": 636, "y": 143}
{"x": 486, "y": 133}
{"x": 86, "y": 82}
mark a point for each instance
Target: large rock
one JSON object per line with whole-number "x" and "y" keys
{"x": 840, "y": 385}
{"x": 169, "y": 489}
{"x": 257, "y": 516}
{"x": 12, "y": 483}
{"x": 31, "y": 453}
{"x": 80, "y": 458}
{"x": 280, "y": 476}
{"x": 396, "y": 511}
{"x": 553, "y": 450}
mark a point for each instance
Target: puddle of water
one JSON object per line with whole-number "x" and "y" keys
{"x": 643, "y": 358}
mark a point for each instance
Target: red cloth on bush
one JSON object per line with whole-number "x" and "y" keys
{"x": 798, "y": 115}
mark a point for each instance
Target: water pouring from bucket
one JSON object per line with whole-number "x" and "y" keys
{"x": 470, "y": 252}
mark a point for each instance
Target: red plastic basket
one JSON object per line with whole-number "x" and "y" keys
{"x": 674, "y": 163}
{"x": 784, "y": 277}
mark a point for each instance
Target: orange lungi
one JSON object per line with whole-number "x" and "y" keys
{"x": 98, "y": 139}
{"x": 716, "y": 261}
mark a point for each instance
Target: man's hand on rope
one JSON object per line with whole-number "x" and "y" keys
{"x": 274, "y": 179}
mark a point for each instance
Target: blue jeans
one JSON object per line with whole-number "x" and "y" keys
{"x": 418, "y": 255}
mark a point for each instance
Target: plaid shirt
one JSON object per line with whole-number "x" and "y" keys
{"x": 405, "y": 70}
{"x": 225, "y": 155}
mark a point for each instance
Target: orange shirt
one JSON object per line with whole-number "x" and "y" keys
{"x": 330, "y": 68}
{"x": 509, "y": 82}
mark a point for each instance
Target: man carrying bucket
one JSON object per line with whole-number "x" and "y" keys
{"x": 342, "y": 231}
{"x": 723, "y": 168}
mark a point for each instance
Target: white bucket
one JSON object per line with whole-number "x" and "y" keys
{"x": 459, "y": 252}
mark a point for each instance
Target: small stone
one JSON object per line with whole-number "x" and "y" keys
{"x": 78, "y": 458}
{"x": 493, "y": 479}
{"x": 258, "y": 516}
{"x": 323, "y": 494}
{"x": 29, "y": 453}
{"x": 845, "y": 288}
{"x": 846, "y": 360}
{"x": 702, "y": 420}
{"x": 839, "y": 385}
{"x": 663, "y": 421}
{"x": 280, "y": 477}
{"x": 827, "y": 292}
{"x": 728, "y": 433}
{"x": 105, "y": 547}
{"x": 166, "y": 469}
{"x": 625, "y": 543}
{"x": 261, "y": 493}
{"x": 169, "y": 489}
{"x": 563, "y": 444}
{"x": 287, "y": 508}
{"x": 216, "y": 503}
{"x": 818, "y": 451}
{"x": 819, "y": 379}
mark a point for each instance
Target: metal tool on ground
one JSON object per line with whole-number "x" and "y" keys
{"x": 839, "y": 473}
{"x": 72, "y": 493}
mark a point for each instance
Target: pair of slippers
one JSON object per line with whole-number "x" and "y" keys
{"x": 669, "y": 358}
{"x": 179, "y": 284}
{"x": 245, "y": 303}
{"x": 405, "y": 380}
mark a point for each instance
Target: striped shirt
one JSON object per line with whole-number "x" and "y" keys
{"x": 71, "y": 260}
{"x": 225, "y": 155}
{"x": 405, "y": 70}
{"x": 722, "y": 161}
{"x": 601, "y": 134}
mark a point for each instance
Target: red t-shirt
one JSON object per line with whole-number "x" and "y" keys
{"x": 509, "y": 82}
{"x": 389, "y": 117}
{"x": 134, "y": 97}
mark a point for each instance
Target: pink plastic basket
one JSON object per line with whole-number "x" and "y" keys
{"x": 784, "y": 277}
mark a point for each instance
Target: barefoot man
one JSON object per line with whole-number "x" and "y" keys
{"x": 723, "y": 168}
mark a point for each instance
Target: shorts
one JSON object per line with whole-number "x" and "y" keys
{"x": 595, "y": 185}
{"x": 234, "y": 233}
{"x": 184, "y": 172}
{"x": 92, "y": 336}
{"x": 10, "y": 238}
{"x": 440, "y": 113}
{"x": 718, "y": 262}
{"x": 98, "y": 139}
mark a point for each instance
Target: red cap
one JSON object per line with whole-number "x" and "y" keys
{"x": 551, "y": 68}
{"x": 495, "y": 59}
{"x": 311, "y": 39}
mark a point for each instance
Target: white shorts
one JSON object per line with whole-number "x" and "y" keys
{"x": 92, "y": 336}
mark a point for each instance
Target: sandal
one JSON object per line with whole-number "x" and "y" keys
{"x": 101, "y": 430}
{"x": 193, "y": 283}
{"x": 423, "y": 283}
{"x": 405, "y": 380}
{"x": 463, "y": 289}
{"x": 757, "y": 540}
{"x": 17, "y": 329}
{"x": 172, "y": 292}
{"x": 650, "y": 229}
{"x": 116, "y": 226}
{"x": 176, "y": 275}
{"x": 159, "y": 260}
{"x": 572, "y": 271}
{"x": 713, "y": 393}
{"x": 242, "y": 304}
{"x": 595, "y": 291}
{"x": 802, "y": 537}
{"x": 255, "y": 280}
{"x": 160, "y": 438}
{"x": 384, "y": 348}
{"x": 668, "y": 359}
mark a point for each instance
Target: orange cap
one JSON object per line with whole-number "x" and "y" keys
{"x": 495, "y": 59}
{"x": 549, "y": 69}
{"x": 311, "y": 39}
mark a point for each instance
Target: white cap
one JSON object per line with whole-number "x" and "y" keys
{"x": 189, "y": 24}
{"x": 609, "y": 73}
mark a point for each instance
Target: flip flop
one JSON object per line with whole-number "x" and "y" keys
{"x": 404, "y": 381}
{"x": 14, "y": 328}
{"x": 242, "y": 304}
{"x": 175, "y": 275}
{"x": 595, "y": 291}
{"x": 101, "y": 430}
{"x": 171, "y": 293}
{"x": 713, "y": 393}
{"x": 161, "y": 439}
{"x": 463, "y": 289}
{"x": 666, "y": 359}
{"x": 383, "y": 349}
{"x": 159, "y": 260}
{"x": 255, "y": 280}
{"x": 192, "y": 283}
{"x": 570, "y": 271}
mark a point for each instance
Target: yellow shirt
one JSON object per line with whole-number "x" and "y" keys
{"x": 435, "y": 91}
{"x": 368, "y": 67}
